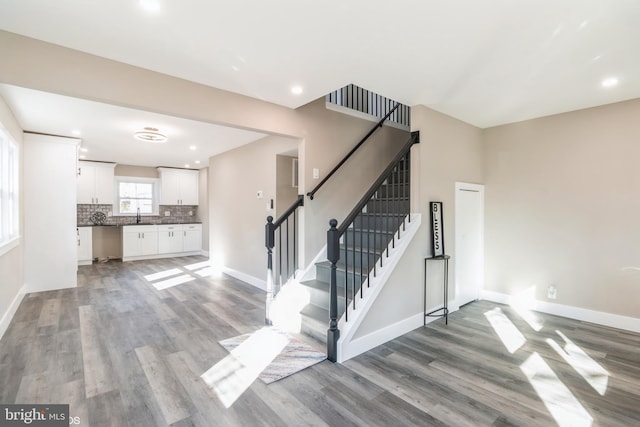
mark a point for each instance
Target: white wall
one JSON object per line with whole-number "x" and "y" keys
{"x": 50, "y": 245}
{"x": 562, "y": 208}
{"x": 11, "y": 262}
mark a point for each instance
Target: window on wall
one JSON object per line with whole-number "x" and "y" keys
{"x": 136, "y": 193}
{"x": 9, "y": 192}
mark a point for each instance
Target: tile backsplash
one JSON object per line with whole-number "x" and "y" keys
{"x": 177, "y": 214}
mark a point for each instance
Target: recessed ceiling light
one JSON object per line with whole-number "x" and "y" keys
{"x": 82, "y": 156}
{"x": 150, "y": 5}
{"x": 84, "y": 150}
{"x": 75, "y": 132}
{"x": 193, "y": 148}
{"x": 197, "y": 162}
{"x": 150, "y": 134}
{"x": 187, "y": 166}
{"x": 610, "y": 82}
{"x": 296, "y": 90}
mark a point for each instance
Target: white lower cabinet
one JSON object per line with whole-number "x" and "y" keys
{"x": 160, "y": 241}
{"x": 139, "y": 240}
{"x": 170, "y": 239}
{"x": 85, "y": 245}
{"x": 192, "y": 235}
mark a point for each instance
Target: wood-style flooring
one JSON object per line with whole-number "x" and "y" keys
{"x": 123, "y": 353}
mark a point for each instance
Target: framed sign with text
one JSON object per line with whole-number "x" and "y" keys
{"x": 437, "y": 232}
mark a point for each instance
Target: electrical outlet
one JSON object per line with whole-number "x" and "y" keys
{"x": 167, "y": 213}
{"x": 109, "y": 214}
{"x": 552, "y": 292}
{"x": 190, "y": 213}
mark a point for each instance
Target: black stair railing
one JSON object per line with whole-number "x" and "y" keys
{"x": 281, "y": 235}
{"x": 362, "y": 238}
{"x": 312, "y": 193}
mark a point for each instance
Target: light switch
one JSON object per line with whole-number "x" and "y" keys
{"x": 167, "y": 213}
{"x": 316, "y": 173}
{"x": 260, "y": 194}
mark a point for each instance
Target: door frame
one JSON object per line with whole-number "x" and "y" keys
{"x": 466, "y": 186}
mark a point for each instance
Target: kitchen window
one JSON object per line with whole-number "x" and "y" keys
{"x": 136, "y": 193}
{"x": 9, "y": 193}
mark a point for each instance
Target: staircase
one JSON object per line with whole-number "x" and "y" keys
{"x": 361, "y": 247}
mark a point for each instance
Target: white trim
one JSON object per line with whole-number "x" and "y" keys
{"x": 11, "y": 311}
{"x": 310, "y": 272}
{"x": 159, "y": 256}
{"x": 247, "y": 278}
{"x": 204, "y": 253}
{"x": 367, "y": 342}
{"x": 583, "y": 314}
{"x": 369, "y": 295}
{"x": 365, "y": 116}
{"x": 9, "y": 245}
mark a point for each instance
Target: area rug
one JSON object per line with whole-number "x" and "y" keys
{"x": 294, "y": 357}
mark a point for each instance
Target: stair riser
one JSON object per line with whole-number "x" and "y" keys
{"x": 368, "y": 239}
{"x": 324, "y": 274}
{"x": 320, "y": 298}
{"x": 355, "y": 259}
{"x": 312, "y": 329}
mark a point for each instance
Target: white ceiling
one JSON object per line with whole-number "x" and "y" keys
{"x": 107, "y": 130}
{"x": 485, "y": 62}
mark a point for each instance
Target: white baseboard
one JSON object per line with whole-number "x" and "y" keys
{"x": 11, "y": 311}
{"x": 204, "y": 253}
{"x": 254, "y": 281}
{"x": 381, "y": 336}
{"x": 592, "y": 316}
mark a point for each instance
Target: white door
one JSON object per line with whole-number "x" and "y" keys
{"x": 469, "y": 242}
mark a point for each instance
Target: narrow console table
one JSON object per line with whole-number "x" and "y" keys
{"x": 444, "y": 310}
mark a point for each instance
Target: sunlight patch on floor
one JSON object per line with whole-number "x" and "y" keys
{"x": 589, "y": 369}
{"x": 285, "y": 309}
{"x": 230, "y": 377}
{"x": 174, "y": 281}
{"x": 198, "y": 265}
{"x": 508, "y": 333}
{"x": 561, "y": 403}
{"x": 524, "y": 304}
{"x": 162, "y": 274}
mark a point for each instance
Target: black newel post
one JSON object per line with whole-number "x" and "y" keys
{"x": 269, "y": 238}
{"x": 333, "y": 255}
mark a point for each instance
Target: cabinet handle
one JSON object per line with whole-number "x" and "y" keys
{"x": 143, "y": 235}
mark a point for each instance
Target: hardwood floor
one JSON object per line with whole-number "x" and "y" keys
{"x": 123, "y": 353}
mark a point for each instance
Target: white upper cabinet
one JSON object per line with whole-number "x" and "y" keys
{"x": 178, "y": 187}
{"x": 96, "y": 183}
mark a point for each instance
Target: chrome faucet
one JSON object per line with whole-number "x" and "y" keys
{"x": 138, "y": 218}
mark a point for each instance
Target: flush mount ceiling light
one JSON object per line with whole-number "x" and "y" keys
{"x": 150, "y": 135}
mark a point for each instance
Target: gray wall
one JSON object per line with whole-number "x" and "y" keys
{"x": 449, "y": 151}
{"x": 562, "y": 208}
{"x": 237, "y": 216}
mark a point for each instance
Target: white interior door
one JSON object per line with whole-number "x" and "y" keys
{"x": 469, "y": 242}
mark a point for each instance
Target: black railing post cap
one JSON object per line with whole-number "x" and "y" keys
{"x": 269, "y": 218}
{"x": 333, "y": 223}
